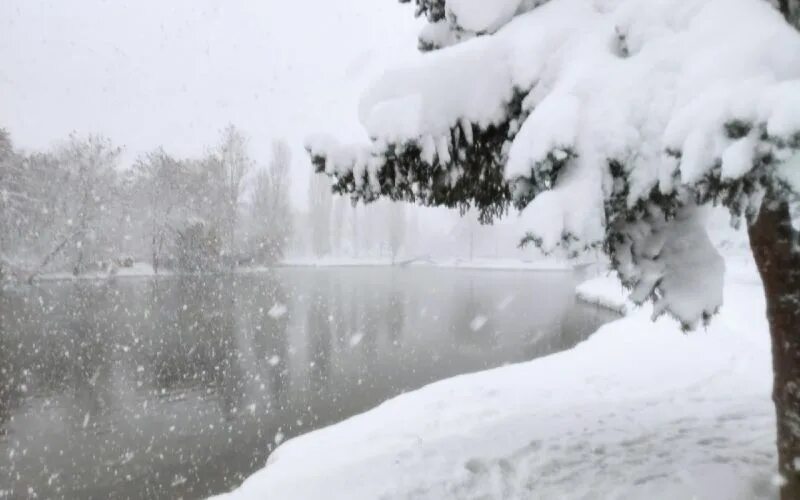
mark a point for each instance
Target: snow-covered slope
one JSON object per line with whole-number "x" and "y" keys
{"x": 640, "y": 410}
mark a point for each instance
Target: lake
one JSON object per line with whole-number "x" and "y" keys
{"x": 181, "y": 386}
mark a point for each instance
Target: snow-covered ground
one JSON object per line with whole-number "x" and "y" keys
{"x": 604, "y": 291}
{"x": 640, "y": 410}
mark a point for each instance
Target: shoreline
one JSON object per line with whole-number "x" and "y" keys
{"x": 474, "y": 265}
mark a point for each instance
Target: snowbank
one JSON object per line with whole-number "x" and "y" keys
{"x": 640, "y": 410}
{"x": 604, "y": 291}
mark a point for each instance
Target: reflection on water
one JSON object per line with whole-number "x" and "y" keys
{"x": 182, "y": 386}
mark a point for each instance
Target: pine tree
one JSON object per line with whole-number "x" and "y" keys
{"x": 608, "y": 127}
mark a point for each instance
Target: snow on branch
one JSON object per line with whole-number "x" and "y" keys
{"x": 593, "y": 118}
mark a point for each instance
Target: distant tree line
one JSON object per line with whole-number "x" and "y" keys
{"x": 75, "y": 208}
{"x": 339, "y": 228}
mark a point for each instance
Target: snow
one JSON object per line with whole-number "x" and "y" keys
{"x": 438, "y": 95}
{"x": 790, "y": 172}
{"x": 738, "y": 158}
{"x": 144, "y": 270}
{"x": 355, "y": 339}
{"x": 553, "y": 125}
{"x": 138, "y": 270}
{"x": 480, "y": 15}
{"x": 438, "y": 34}
{"x": 478, "y": 322}
{"x": 689, "y": 270}
{"x": 692, "y": 66}
{"x": 335, "y": 262}
{"x": 789, "y": 175}
{"x": 546, "y": 264}
{"x": 652, "y": 85}
{"x": 277, "y": 310}
{"x": 508, "y": 264}
{"x": 640, "y": 410}
{"x": 605, "y": 291}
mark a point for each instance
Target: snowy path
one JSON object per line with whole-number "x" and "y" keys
{"x": 639, "y": 410}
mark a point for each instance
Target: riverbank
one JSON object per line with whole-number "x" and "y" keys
{"x": 605, "y": 291}
{"x": 144, "y": 270}
{"x": 545, "y": 264}
{"x": 225, "y": 367}
{"x": 138, "y": 270}
{"x": 639, "y": 410}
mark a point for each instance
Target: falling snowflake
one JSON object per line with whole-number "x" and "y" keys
{"x": 356, "y": 339}
{"x": 505, "y": 302}
{"x": 277, "y": 310}
{"x": 478, "y": 322}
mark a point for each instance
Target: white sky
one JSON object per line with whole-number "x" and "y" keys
{"x": 174, "y": 72}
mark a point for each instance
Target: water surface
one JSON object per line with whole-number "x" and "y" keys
{"x": 181, "y": 387}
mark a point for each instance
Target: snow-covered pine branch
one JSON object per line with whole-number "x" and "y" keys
{"x": 453, "y": 21}
{"x": 605, "y": 122}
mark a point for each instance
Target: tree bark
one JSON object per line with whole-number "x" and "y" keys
{"x": 773, "y": 242}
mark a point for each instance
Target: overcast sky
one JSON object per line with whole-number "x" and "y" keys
{"x": 173, "y": 73}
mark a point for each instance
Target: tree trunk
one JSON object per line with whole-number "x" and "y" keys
{"x": 155, "y": 253}
{"x": 772, "y": 240}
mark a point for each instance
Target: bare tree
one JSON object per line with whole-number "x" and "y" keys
{"x": 320, "y": 202}
{"x": 87, "y": 187}
{"x": 231, "y": 163}
{"x": 11, "y": 199}
{"x": 337, "y": 224}
{"x": 397, "y": 227}
{"x": 270, "y": 210}
{"x": 159, "y": 182}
